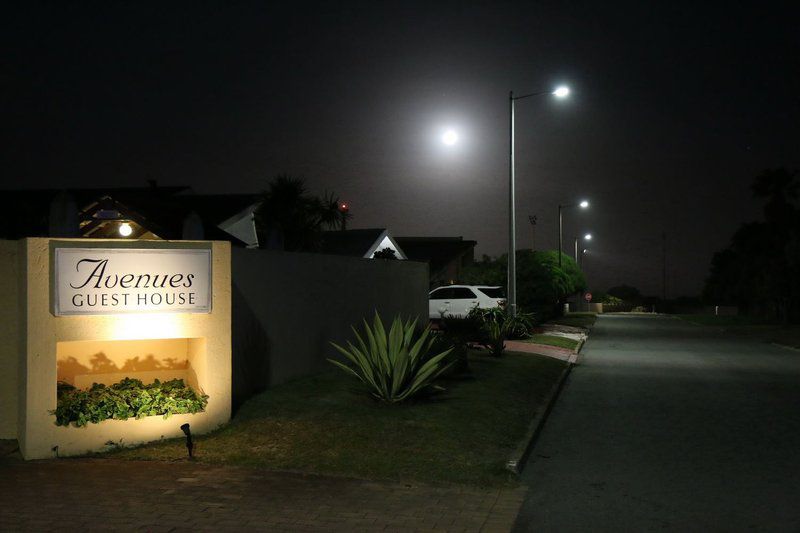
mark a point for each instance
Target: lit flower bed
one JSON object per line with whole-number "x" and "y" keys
{"x": 129, "y": 398}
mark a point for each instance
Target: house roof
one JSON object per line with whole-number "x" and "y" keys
{"x": 436, "y": 251}
{"x": 25, "y": 213}
{"x": 353, "y": 242}
{"x": 162, "y": 210}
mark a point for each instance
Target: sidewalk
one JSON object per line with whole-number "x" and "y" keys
{"x": 104, "y": 494}
{"x": 564, "y": 354}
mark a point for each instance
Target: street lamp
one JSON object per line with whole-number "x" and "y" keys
{"x": 587, "y": 237}
{"x": 559, "y": 92}
{"x": 450, "y": 137}
{"x": 583, "y": 205}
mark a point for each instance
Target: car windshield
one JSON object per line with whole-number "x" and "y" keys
{"x": 493, "y": 292}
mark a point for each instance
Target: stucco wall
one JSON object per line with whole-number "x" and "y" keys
{"x": 38, "y": 435}
{"x": 288, "y": 306}
{"x": 9, "y": 338}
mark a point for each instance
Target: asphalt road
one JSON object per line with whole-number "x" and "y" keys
{"x": 669, "y": 426}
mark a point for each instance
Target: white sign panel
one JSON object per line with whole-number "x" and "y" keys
{"x": 101, "y": 281}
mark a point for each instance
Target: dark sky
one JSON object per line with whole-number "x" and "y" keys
{"x": 675, "y": 108}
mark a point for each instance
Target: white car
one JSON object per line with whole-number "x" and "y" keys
{"x": 457, "y": 300}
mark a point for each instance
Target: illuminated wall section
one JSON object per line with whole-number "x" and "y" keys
{"x": 82, "y": 363}
{"x": 84, "y": 349}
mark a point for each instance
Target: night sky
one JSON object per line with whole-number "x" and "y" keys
{"x": 675, "y": 108}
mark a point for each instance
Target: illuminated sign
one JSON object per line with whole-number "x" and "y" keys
{"x": 102, "y": 281}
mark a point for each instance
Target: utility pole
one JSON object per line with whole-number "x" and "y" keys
{"x": 532, "y": 220}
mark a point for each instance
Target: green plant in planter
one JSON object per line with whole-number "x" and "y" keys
{"x": 125, "y": 399}
{"x": 395, "y": 366}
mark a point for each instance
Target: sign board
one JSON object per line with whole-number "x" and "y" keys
{"x": 102, "y": 281}
{"x": 588, "y": 296}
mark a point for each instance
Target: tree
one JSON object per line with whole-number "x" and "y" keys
{"x": 760, "y": 270}
{"x": 625, "y": 293}
{"x": 289, "y": 218}
{"x": 385, "y": 253}
{"x": 541, "y": 284}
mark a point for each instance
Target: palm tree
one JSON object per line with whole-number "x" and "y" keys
{"x": 291, "y": 219}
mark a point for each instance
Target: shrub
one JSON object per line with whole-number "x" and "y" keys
{"x": 496, "y": 325}
{"x": 520, "y": 326}
{"x": 456, "y": 333}
{"x": 385, "y": 253}
{"x": 123, "y": 400}
{"x": 394, "y": 366}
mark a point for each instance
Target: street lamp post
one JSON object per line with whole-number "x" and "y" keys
{"x": 560, "y": 92}
{"x": 583, "y": 205}
{"x": 587, "y": 237}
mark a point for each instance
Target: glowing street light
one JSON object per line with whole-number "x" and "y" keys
{"x": 450, "y": 137}
{"x": 587, "y": 237}
{"x": 559, "y": 92}
{"x": 583, "y": 205}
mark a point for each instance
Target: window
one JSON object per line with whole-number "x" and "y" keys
{"x": 493, "y": 292}
{"x": 442, "y": 294}
{"x": 462, "y": 293}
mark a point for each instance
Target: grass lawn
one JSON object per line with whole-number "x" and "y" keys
{"x": 321, "y": 425}
{"x": 553, "y": 340}
{"x": 581, "y": 320}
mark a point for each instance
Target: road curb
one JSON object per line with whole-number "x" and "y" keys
{"x": 517, "y": 461}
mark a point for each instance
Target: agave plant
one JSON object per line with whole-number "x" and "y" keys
{"x": 394, "y": 365}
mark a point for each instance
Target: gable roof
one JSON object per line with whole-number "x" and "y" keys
{"x": 358, "y": 242}
{"x": 161, "y": 210}
{"x": 353, "y": 242}
{"x": 437, "y": 251}
{"x": 25, "y": 213}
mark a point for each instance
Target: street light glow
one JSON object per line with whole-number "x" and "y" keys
{"x": 450, "y": 138}
{"x": 561, "y": 92}
{"x": 588, "y": 236}
{"x": 584, "y": 204}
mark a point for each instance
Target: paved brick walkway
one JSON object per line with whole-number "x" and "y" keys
{"x": 555, "y": 352}
{"x": 101, "y": 494}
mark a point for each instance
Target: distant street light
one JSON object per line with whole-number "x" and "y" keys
{"x": 450, "y": 137}
{"x": 587, "y": 237}
{"x": 583, "y": 205}
{"x": 559, "y": 92}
